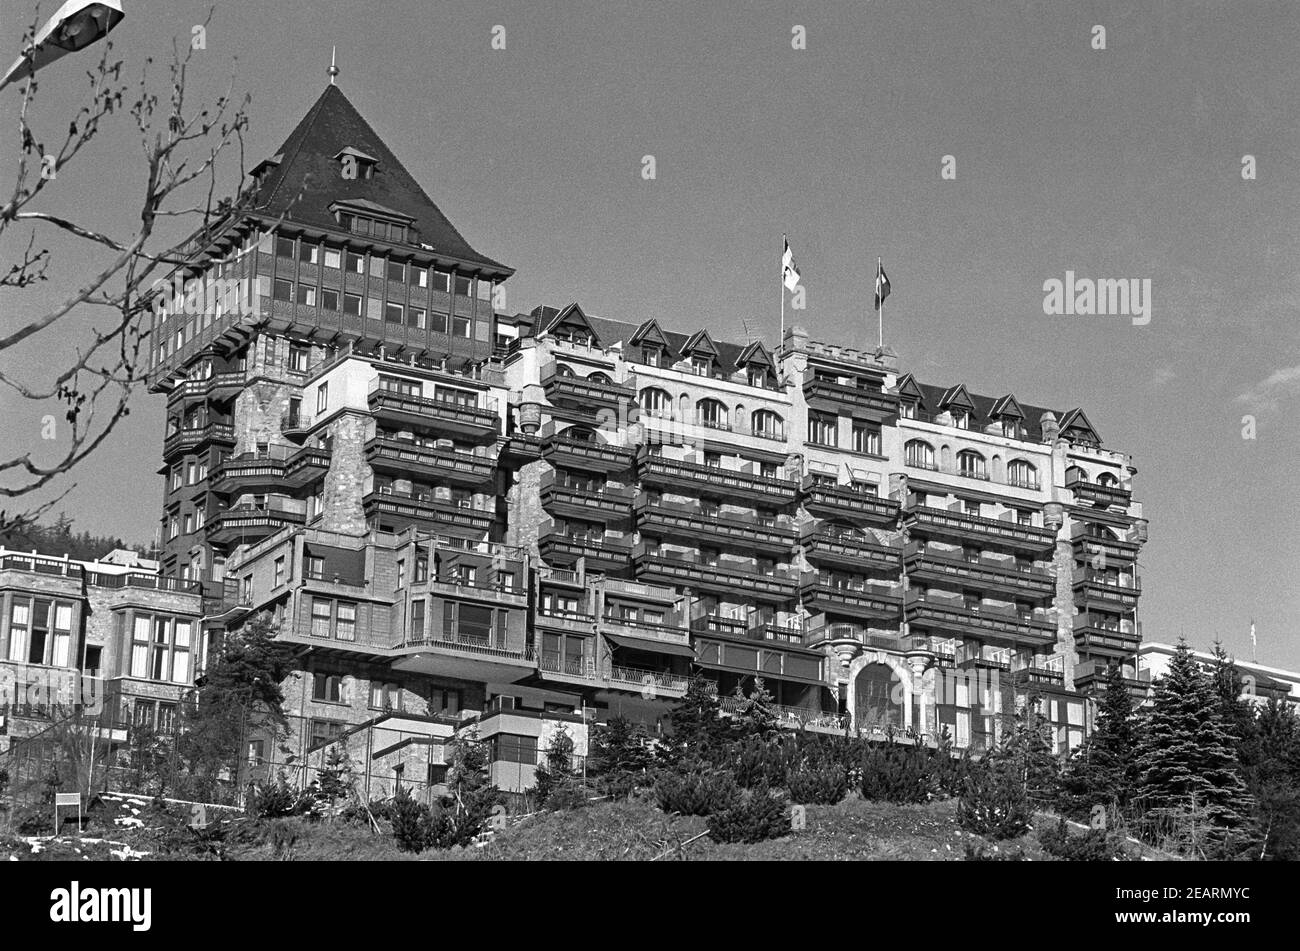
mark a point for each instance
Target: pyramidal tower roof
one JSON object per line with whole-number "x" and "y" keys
{"x": 305, "y": 178}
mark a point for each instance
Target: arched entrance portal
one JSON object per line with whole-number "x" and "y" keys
{"x": 878, "y": 698}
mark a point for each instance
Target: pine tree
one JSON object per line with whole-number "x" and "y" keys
{"x": 1102, "y": 770}
{"x": 619, "y": 756}
{"x": 697, "y": 730}
{"x": 556, "y": 778}
{"x": 755, "y": 714}
{"x": 1271, "y": 766}
{"x": 1026, "y": 751}
{"x": 1186, "y": 760}
{"x": 335, "y": 781}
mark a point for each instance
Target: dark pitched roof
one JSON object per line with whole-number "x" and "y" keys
{"x": 986, "y": 408}
{"x": 307, "y": 179}
{"x": 610, "y": 332}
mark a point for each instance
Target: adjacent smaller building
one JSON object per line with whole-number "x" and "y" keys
{"x": 1259, "y": 683}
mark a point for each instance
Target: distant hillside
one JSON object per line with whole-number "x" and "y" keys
{"x": 58, "y": 538}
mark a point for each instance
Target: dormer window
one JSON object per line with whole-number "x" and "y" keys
{"x": 701, "y": 365}
{"x": 757, "y": 377}
{"x": 652, "y": 356}
{"x": 1011, "y": 428}
{"x": 907, "y": 410}
{"x": 961, "y": 419}
{"x": 355, "y": 165}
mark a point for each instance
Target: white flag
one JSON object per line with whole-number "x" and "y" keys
{"x": 1253, "y": 645}
{"x": 789, "y": 273}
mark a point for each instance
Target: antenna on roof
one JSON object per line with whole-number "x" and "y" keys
{"x": 333, "y": 70}
{"x": 750, "y": 335}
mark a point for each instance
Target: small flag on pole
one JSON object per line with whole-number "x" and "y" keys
{"x": 789, "y": 273}
{"x": 882, "y": 287}
{"x": 1253, "y": 644}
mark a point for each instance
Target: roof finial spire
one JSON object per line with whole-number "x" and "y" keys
{"x": 333, "y": 70}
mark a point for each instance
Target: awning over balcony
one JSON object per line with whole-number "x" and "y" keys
{"x": 649, "y": 644}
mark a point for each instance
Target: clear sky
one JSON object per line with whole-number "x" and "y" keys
{"x": 1116, "y": 163}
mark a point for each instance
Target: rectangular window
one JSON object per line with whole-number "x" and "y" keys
{"x": 298, "y": 359}
{"x": 328, "y": 689}
{"x": 329, "y": 300}
{"x": 308, "y": 253}
{"x": 417, "y": 276}
{"x": 415, "y": 317}
{"x": 483, "y": 289}
{"x": 385, "y": 696}
{"x": 283, "y": 291}
{"x": 333, "y": 258}
{"x": 438, "y": 322}
{"x": 441, "y": 281}
{"x": 462, "y": 285}
{"x": 279, "y": 572}
{"x": 394, "y": 313}
{"x": 866, "y": 439}
{"x": 460, "y": 327}
{"x": 417, "y": 619}
{"x": 346, "y": 621}
{"x": 320, "y": 617}
{"x": 140, "y": 646}
{"x": 352, "y": 305}
{"x": 421, "y": 568}
{"x": 356, "y": 263}
{"x": 325, "y": 732}
{"x": 396, "y": 271}
{"x": 284, "y": 247}
{"x": 823, "y": 429}
{"x": 306, "y": 295}
{"x": 374, "y": 308}
{"x": 315, "y": 568}
{"x": 322, "y": 397}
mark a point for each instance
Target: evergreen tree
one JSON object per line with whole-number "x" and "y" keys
{"x": 697, "y": 732}
{"x": 1187, "y": 763}
{"x": 1238, "y": 711}
{"x": 1026, "y": 751}
{"x": 1101, "y": 771}
{"x": 1272, "y": 772}
{"x": 619, "y": 757}
{"x": 557, "y": 781}
{"x": 335, "y": 781}
{"x": 239, "y": 699}
{"x": 755, "y": 714}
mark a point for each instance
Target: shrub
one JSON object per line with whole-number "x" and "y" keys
{"x": 278, "y": 799}
{"x": 750, "y": 816}
{"x": 414, "y": 828}
{"x": 981, "y": 854}
{"x": 899, "y": 774}
{"x": 994, "y": 804}
{"x": 754, "y": 760}
{"x": 822, "y": 786}
{"x": 695, "y": 793}
{"x": 1095, "y": 845}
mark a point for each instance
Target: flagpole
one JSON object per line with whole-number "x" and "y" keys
{"x": 780, "y": 343}
{"x": 881, "y": 308}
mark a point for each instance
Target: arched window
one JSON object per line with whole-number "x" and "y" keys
{"x": 601, "y": 378}
{"x": 971, "y": 464}
{"x": 919, "y": 454}
{"x": 712, "y": 414}
{"x": 1107, "y": 478}
{"x": 657, "y": 403}
{"x": 563, "y": 370}
{"x": 1075, "y": 474}
{"x": 769, "y": 424}
{"x": 1023, "y": 474}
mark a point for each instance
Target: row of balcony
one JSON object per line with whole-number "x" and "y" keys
{"x": 193, "y": 438}
{"x": 218, "y": 386}
{"x": 259, "y": 472}
{"x": 466, "y": 421}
